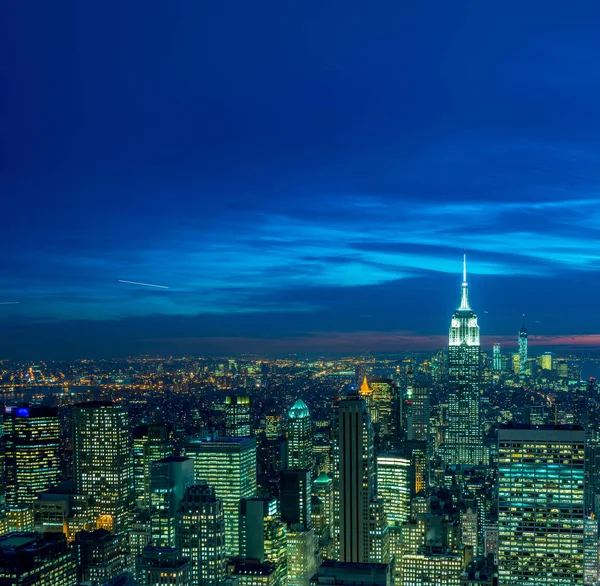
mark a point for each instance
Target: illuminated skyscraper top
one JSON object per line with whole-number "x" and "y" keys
{"x": 464, "y": 329}
{"x": 463, "y": 443}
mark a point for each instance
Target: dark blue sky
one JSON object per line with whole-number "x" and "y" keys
{"x": 301, "y": 175}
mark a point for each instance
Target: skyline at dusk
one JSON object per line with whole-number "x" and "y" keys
{"x": 302, "y": 179}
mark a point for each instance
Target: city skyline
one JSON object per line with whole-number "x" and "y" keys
{"x": 317, "y": 196}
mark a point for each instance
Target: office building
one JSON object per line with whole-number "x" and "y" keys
{"x": 540, "y": 505}
{"x": 301, "y": 549}
{"x": 33, "y": 454}
{"x": 354, "y": 485}
{"x": 103, "y": 465}
{"x": 238, "y": 413}
{"x": 162, "y": 566}
{"x": 201, "y": 534}
{"x": 300, "y": 453}
{"x": 427, "y": 567}
{"x": 229, "y": 465}
{"x": 169, "y": 478}
{"x": 27, "y": 559}
{"x": 420, "y": 413}
{"x": 464, "y": 438}
{"x": 394, "y": 486}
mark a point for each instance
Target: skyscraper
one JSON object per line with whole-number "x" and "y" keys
{"x": 169, "y": 478}
{"x": 103, "y": 465}
{"x": 355, "y": 478}
{"x": 201, "y": 534}
{"x": 229, "y": 465}
{"x": 464, "y": 441}
{"x": 497, "y": 357}
{"x": 541, "y": 505}
{"x": 300, "y": 456}
{"x": 523, "y": 348}
{"x": 33, "y": 455}
{"x": 237, "y": 416}
{"x": 546, "y": 361}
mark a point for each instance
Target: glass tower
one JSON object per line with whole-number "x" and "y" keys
{"x": 103, "y": 463}
{"x": 237, "y": 416}
{"x": 464, "y": 442}
{"x": 541, "y": 505}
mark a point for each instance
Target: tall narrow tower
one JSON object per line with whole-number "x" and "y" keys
{"x": 300, "y": 455}
{"x": 523, "y": 348}
{"x": 355, "y": 478}
{"x": 464, "y": 438}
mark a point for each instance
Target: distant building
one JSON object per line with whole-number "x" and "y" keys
{"x": 546, "y": 361}
{"x": 523, "y": 348}
{"x": 497, "y": 357}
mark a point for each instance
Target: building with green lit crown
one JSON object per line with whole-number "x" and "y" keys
{"x": 541, "y": 505}
{"x": 229, "y": 465}
{"x": 300, "y": 455}
{"x": 33, "y": 454}
{"x": 464, "y": 438}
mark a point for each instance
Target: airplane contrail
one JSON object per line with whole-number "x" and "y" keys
{"x": 9, "y": 302}
{"x": 143, "y": 284}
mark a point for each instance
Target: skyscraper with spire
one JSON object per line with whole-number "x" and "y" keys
{"x": 464, "y": 438}
{"x": 523, "y": 348}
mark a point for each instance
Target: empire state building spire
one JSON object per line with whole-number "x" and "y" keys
{"x": 464, "y": 295}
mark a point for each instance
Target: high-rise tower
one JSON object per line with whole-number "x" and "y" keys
{"x": 355, "y": 478}
{"x": 299, "y": 437}
{"x": 523, "y": 348}
{"x": 497, "y": 357}
{"x": 103, "y": 463}
{"x": 238, "y": 416}
{"x": 464, "y": 438}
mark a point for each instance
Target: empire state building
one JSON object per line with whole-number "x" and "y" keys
{"x": 464, "y": 438}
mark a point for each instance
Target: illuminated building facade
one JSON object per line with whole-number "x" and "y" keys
{"x": 464, "y": 441}
{"x": 229, "y": 465}
{"x": 100, "y": 556}
{"x": 394, "y": 486}
{"x": 420, "y": 412}
{"x": 523, "y": 348}
{"x": 33, "y": 455}
{"x": 323, "y": 490}
{"x": 103, "y": 463}
{"x": 541, "y": 505}
{"x": 201, "y": 534}
{"x": 354, "y": 483}
{"x": 300, "y": 455}
{"x": 254, "y": 573}
{"x": 238, "y": 416}
{"x": 497, "y": 357}
{"x": 301, "y": 556}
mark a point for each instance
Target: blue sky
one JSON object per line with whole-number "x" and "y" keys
{"x": 300, "y": 175}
